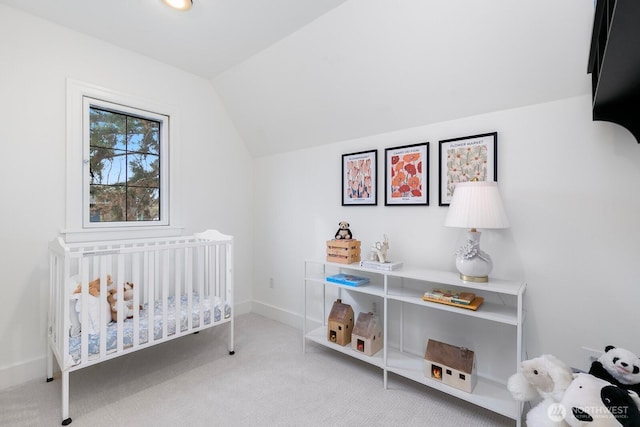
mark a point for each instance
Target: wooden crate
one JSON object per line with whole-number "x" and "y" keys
{"x": 343, "y": 251}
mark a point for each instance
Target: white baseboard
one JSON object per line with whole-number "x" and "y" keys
{"x": 276, "y": 313}
{"x": 20, "y": 373}
{"x": 243, "y": 307}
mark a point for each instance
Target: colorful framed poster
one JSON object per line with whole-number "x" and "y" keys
{"x": 463, "y": 159}
{"x": 407, "y": 175}
{"x": 360, "y": 178}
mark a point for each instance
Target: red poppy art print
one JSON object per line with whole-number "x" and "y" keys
{"x": 406, "y": 175}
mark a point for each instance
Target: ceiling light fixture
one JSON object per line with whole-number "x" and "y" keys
{"x": 179, "y": 4}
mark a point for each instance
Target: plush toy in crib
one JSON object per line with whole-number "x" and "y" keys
{"x": 96, "y": 313}
{"x": 94, "y": 286}
{"x": 113, "y": 296}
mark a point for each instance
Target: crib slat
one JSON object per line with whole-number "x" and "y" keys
{"x": 119, "y": 282}
{"x": 137, "y": 284}
{"x": 165, "y": 293}
{"x": 84, "y": 312}
{"x": 217, "y": 273}
{"x": 201, "y": 273}
{"x": 177, "y": 267}
{"x": 102, "y": 274}
{"x": 188, "y": 284}
{"x": 151, "y": 287}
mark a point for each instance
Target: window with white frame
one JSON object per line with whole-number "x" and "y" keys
{"x": 117, "y": 162}
{"x": 125, "y": 164}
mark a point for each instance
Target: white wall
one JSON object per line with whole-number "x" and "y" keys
{"x": 215, "y": 182}
{"x": 569, "y": 186}
{"x": 374, "y": 66}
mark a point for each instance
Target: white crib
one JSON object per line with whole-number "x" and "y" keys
{"x": 181, "y": 285}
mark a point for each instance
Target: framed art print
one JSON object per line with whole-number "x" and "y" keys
{"x": 463, "y": 159}
{"x": 407, "y": 175}
{"x": 359, "y": 178}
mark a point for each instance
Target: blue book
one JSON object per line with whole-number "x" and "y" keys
{"x": 348, "y": 279}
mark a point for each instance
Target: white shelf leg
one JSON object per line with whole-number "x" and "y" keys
{"x": 385, "y": 333}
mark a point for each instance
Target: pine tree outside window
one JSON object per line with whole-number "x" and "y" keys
{"x": 124, "y": 167}
{"x": 125, "y": 184}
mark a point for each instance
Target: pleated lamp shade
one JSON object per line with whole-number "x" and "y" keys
{"x": 476, "y": 204}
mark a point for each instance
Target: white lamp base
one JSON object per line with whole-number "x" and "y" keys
{"x": 473, "y": 263}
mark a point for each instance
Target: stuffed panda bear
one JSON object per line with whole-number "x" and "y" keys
{"x": 591, "y": 401}
{"x": 618, "y": 366}
{"x": 343, "y": 231}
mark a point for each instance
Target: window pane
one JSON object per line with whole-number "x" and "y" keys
{"x": 144, "y": 204}
{"x": 144, "y": 170}
{"x": 107, "y": 129}
{"x": 108, "y": 166}
{"x": 108, "y": 203}
{"x": 143, "y": 135}
{"x": 124, "y": 167}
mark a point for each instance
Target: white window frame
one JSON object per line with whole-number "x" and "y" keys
{"x": 80, "y": 97}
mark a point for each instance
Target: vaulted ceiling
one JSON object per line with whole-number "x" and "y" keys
{"x": 299, "y": 73}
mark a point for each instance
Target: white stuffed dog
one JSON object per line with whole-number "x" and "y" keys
{"x": 545, "y": 377}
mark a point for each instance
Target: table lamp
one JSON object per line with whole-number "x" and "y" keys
{"x": 475, "y": 204}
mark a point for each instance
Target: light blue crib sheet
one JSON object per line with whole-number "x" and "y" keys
{"x": 112, "y": 327}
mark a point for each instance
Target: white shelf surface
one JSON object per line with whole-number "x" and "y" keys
{"x": 369, "y": 288}
{"x": 451, "y": 278}
{"x": 488, "y": 310}
{"x": 509, "y": 287}
{"x": 319, "y": 336}
{"x": 487, "y": 393}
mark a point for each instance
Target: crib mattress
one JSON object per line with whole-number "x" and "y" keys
{"x": 112, "y": 327}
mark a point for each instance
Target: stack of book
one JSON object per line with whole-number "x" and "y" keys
{"x": 385, "y": 266}
{"x": 451, "y": 296}
{"x": 455, "y": 298}
{"x": 348, "y": 279}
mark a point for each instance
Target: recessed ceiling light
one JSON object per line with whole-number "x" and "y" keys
{"x": 179, "y": 4}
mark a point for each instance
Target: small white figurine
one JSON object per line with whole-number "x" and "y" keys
{"x": 379, "y": 250}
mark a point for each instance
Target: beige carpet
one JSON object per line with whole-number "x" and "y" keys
{"x": 193, "y": 381}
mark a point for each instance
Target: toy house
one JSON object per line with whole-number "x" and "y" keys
{"x": 454, "y": 366}
{"x": 367, "y": 334}
{"x": 340, "y": 324}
